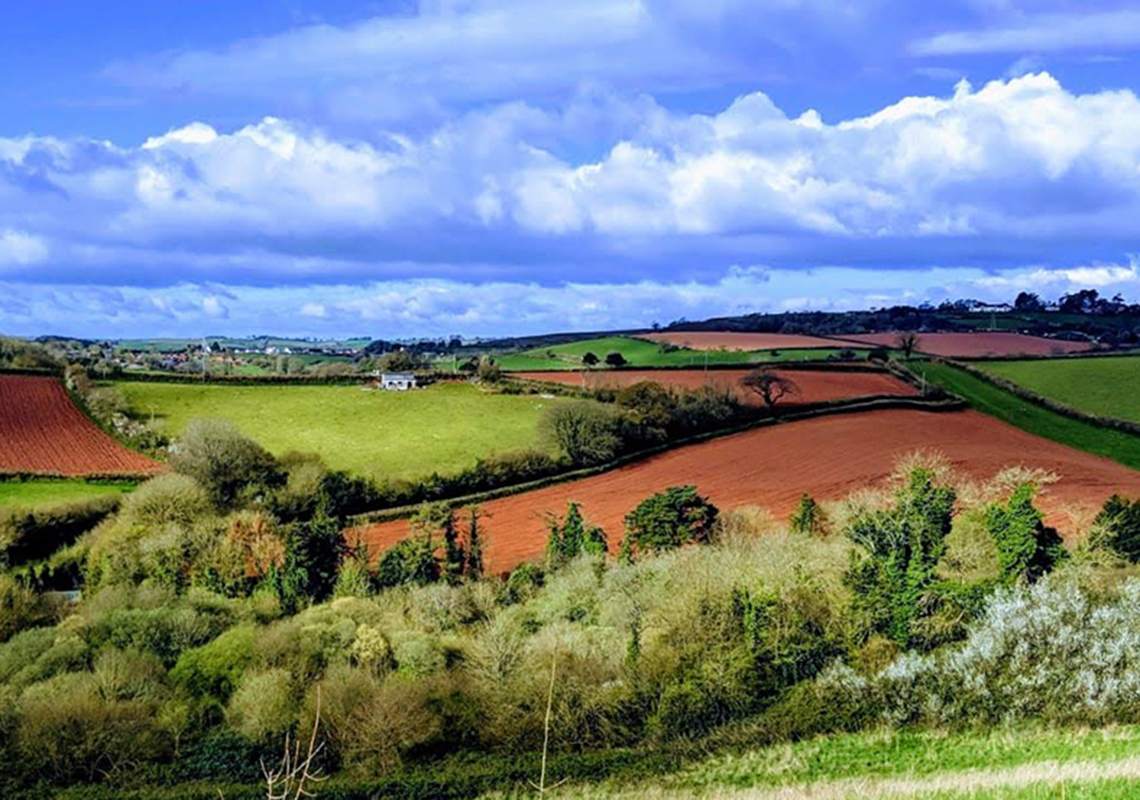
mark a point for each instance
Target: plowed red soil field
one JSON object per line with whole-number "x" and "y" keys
{"x": 815, "y": 386}
{"x": 42, "y": 431}
{"x": 715, "y": 340}
{"x": 975, "y": 345}
{"x": 827, "y": 457}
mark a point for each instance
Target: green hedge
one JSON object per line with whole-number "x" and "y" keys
{"x": 28, "y": 535}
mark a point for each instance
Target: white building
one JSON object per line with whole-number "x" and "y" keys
{"x": 396, "y": 381}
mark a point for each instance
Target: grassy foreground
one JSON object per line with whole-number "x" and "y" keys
{"x": 1014, "y": 763}
{"x": 985, "y": 397}
{"x": 642, "y": 353}
{"x": 44, "y": 492}
{"x": 1104, "y": 386}
{"x": 443, "y": 428}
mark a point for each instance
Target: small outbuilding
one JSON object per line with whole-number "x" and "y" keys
{"x": 396, "y": 381}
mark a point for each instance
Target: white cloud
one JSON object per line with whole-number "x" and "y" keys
{"x": 1019, "y": 165}
{"x": 21, "y": 249}
{"x": 314, "y": 310}
{"x": 1041, "y": 33}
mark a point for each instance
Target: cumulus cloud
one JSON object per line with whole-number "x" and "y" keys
{"x": 1018, "y": 168}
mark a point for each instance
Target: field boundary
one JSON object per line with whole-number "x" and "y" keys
{"x": 1031, "y": 396}
{"x": 1130, "y": 351}
{"x": 830, "y": 408}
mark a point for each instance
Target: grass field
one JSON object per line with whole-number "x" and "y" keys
{"x": 444, "y": 428}
{"x": 641, "y": 353}
{"x": 1117, "y": 445}
{"x": 46, "y": 492}
{"x": 1013, "y": 764}
{"x": 1104, "y": 386}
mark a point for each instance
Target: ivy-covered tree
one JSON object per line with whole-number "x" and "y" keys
{"x": 900, "y": 547}
{"x": 571, "y": 536}
{"x": 1027, "y": 548}
{"x": 809, "y": 517}
{"x": 671, "y": 518}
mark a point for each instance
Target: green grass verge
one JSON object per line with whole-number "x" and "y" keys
{"x": 443, "y": 428}
{"x": 1104, "y": 386}
{"x": 985, "y": 397}
{"x": 904, "y": 762}
{"x": 642, "y": 353}
{"x": 51, "y": 491}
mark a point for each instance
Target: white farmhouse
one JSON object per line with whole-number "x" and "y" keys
{"x": 396, "y": 381}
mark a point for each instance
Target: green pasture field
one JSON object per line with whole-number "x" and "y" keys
{"x": 442, "y": 428}
{"x": 50, "y": 491}
{"x": 992, "y": 400}
{"x": 1104, "y": 386}
{"x": 642, "y": 353}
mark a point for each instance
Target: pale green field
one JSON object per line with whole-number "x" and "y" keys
{"x": 443, "y": 428}
{"x": 1105, "y": 386}
{"x": 46, "y": 492}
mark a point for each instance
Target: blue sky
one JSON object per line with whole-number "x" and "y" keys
{"x": 490, "y": 167}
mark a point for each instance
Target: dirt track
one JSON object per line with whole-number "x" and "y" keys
{"x": 814, "y": 386}
{"x": 827, "y": 457}
{"x": 42, "y": 431}
{"x": 715, "y": 340}
{"x": 974, "y": 345}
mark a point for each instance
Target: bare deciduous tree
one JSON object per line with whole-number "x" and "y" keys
{"x": 907, "y": 342}
{"x": 295, "y": 774}
{"x": 770, "y": 385}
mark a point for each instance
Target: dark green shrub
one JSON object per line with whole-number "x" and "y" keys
{"x": 409, "y": 561}
{"x": 1119, "y": 526}
{"x": 900, "y": 548}
{"x": 671, "y": 518}
{"x": 214, "y": 670}
{"x": 572, "y": 536}
{"x": 1027, "y": 549}
{"x": 224, "y": 462}
{"x": 809, "y": 517}
{"x": 32, "y": 534}
{"x": 587, "y": 432}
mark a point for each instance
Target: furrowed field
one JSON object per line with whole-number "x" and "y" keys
{"x": 442, "y": 429}
{"x": 1104, "y": 386}
{"x": 642, "y": 353}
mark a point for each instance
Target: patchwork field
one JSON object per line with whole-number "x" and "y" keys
{"x": 978, "y": 345}
{"x": 1104, "y": 386}
{"x": 643, "y": 353}
{"x": 828, "y": 457}
{"x": 984, "y": 396}
{"x": 443, "y": 428}
{"x": 814, "y": 386}
{"x": 47, "y": 492}
{"x": 43, "y": 432}
{"x": 727, "y": 340}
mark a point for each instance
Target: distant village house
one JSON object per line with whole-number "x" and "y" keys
{"x": 396, "y": 381}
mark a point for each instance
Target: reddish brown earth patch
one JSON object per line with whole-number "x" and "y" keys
{"x": 975, "y": 345}
{"x": 815, "y": 385}
{"x": 827, "y": 457}
{"x": 717, "y": 340}
{"x": 41, "y": 431}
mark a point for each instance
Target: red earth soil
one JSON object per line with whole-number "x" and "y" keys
{"x": 716, "y": 340}
{"x": 972, "y": 345}
{"x": 814, "y": 386}
{"x": 826, "y": 457}
{"x": 42, "y": 431}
